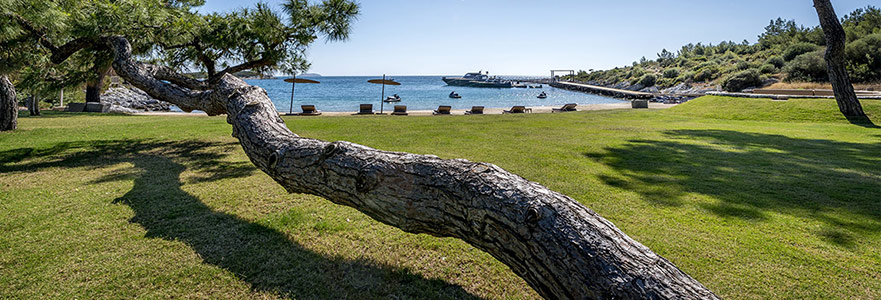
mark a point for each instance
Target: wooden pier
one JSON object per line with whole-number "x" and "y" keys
{"x": 593, "y": 89}
{"x": 554, "y": 81}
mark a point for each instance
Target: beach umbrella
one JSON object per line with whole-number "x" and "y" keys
{"x": 383, "y": 82}
{"x": 294, "y": 81}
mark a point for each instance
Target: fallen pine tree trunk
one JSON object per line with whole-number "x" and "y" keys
{"x": 561, "y": 248}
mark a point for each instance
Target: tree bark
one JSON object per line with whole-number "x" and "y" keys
{"x": 33, "y": 105}
{"x": 93, "y": 87}
{"x": 561, "y": 248}
{"x": 8, "y": 105}
{"x": 847, "y": 100}
{"x": 29, "y": 103}
{"x": 93, "y": 91}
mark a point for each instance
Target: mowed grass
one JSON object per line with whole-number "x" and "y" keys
{"x": 754, "y": 198}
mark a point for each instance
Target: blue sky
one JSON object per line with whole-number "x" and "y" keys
{"x": 451, "y": 37}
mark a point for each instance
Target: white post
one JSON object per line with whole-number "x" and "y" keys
{"x": 61, "y": 98}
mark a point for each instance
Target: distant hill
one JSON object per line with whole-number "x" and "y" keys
{"x": 785, "y": 51}
{"x": 309, "y": 75}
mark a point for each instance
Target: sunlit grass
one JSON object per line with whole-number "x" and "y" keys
{"x": 754, "y": 198}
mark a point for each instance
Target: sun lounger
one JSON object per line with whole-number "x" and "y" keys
{"x": 565, "y": 108}
{"x": 115, "y": 81}
{"x": 443, "y": 110}
{"x": 366, "y": 109}
{"x": 309, "y": 110}
{"x": 400, "y": 110}
{"x": 515, "y": 110}
{"x": 475, "y": 110}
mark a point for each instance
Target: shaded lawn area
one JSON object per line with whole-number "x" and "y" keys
{"x": 98, "y": 206}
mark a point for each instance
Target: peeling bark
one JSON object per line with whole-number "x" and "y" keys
{"x": 8, "y": 105}
{"x": 847, "y": 100}
{"x": 561, "y": 248}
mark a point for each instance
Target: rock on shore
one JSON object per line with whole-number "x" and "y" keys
{"x": 132, "y": 100}
{"x": 686, "y": 89}
{"x": 679, "y": 89}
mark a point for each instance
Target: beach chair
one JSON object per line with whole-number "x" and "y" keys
{"x": 366, "y": 109}
{"x": 309, "y": 110}
{"x": 475, "y": 110}
{"x": 115, "y": 81}
{"x": 400, "y": 110}
{"x": 515, "y": 110}
{"x": 565, "y": 108}
{"x": 442, "y": 110}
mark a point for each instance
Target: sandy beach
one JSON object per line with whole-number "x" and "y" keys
{"x": 488, "y": 111}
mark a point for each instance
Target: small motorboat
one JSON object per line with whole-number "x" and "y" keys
{"x": 543, "y": 95}
{"x": 455, "y": 95}
{"x": 394, "y": 98}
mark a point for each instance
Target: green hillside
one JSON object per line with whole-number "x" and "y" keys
{"x": 785, "y": 51}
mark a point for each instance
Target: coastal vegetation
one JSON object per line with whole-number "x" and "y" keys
{"x": 559, "y": 248}
{"x": 785, "y": 51}
{"x": 755, "y": 198}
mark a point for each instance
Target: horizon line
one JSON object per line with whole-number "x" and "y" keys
{"x": 361, "y": 75}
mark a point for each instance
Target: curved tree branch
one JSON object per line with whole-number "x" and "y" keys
{"x": 34, "y": 31}
{"x": 141, "y": 75}
{"x": 60, "y": 54}
{"x": 168, "y": 74}
{"x": 263, "y": 61}
{"x": 561, "y": 248}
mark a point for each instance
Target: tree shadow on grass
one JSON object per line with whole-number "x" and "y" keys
{"x": 262, "y": 256}
{"x": 54, "y": 114}
{"x": 862, "y": 121}
{"x": 837, "y": 183}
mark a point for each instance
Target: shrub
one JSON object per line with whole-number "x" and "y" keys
{"x": 636, "y": 73}
{"x": 666, "y": 82}
{"x": 864, "y": 58}
{"x": 687, "y": 63}
{"x": 671, "y": 73}
{"x": 797, "y": 49}
{"x": 768, "y": 69}
{"x": 706, "y": 74}
{"x": 705, "y": 65}
{"x": 742, "y": 65}
{"x": 741, "y": 80}
{"x": 776, "y": 61}
{"x": 807, "y": 67}
{"x": 686, "y": 76}
{"x": 613, "y": 79}
{"x": 648, "y": 80}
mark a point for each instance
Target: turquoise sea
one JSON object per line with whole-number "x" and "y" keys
{"x": 345, "y": 93}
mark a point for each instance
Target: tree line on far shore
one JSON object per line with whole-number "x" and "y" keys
{"x": 785, "y": 51}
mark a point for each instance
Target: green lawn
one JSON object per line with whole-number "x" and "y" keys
{"x": 754, "y": 198}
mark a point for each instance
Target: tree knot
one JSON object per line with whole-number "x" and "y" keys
{"x": 533, "y": 215}
{"x": 366, "y": 181}
{"x": 479, "y": 168}
{"x": 330, "y": 150}
{"x": 272, "y": 160}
